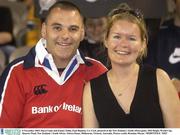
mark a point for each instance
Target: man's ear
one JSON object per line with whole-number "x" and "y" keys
{"x": 43, "y": 30}
{"x": 82, "y": 33}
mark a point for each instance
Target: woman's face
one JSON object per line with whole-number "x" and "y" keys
{"x": 124, "y": 42}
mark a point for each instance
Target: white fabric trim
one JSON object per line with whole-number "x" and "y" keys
{"x": 5, "y": 85}
{"x": 41, "y": 53}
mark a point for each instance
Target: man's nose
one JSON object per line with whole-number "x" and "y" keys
{"x": 65, "y": 34}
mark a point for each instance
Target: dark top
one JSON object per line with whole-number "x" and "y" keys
{"x": 6, "y": 23}
{"x": 145, "y": 111}
{"x": 164, "y": 51}
{"x": 96, "y": 51}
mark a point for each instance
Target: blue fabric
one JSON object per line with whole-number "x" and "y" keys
{"x": 70, "y": 68}
{"x": 46, "y": 63}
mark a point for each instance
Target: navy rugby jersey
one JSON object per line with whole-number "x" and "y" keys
{"x": 164, "y": 52}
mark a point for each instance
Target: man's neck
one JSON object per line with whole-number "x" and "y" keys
{"x": 61, "y": 63}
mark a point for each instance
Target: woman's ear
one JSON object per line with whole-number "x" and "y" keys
{"x": 143, "y": 46}
{"x": 43, "y": 31}
{"x": 143, "y": 49}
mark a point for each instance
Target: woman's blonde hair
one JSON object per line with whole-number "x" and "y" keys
{"x": 124, "y": 12}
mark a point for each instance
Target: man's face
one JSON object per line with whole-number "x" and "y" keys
{"x": 63, "y": 32}
{"x": 95, "y": 28}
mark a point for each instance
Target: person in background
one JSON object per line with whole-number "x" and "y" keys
{"x": 2, "y": 61}
{"x": 7, "y": 42}
{"x": 1, "y": 69}
{"x": 92, "y": 46}
{"x": 44, "y": 88}
{"x": 33, "y": 25}
{"x": 164, "y": 51}
{"x": 129, "y": 95}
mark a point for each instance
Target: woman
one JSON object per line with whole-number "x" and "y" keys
{"x": 129, "y": 94}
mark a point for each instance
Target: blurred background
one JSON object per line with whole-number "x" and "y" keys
{"x": 21, "y": 23}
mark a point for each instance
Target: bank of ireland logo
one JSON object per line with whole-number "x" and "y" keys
{"x": 175, "y": 56}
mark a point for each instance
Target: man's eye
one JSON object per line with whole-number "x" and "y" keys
{"x": 74, "y": 29}
{"x": 57, "y": 28}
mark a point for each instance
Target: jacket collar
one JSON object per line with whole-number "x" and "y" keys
{"x": 39, "y": 52}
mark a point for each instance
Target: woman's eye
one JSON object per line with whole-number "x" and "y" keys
{"x": 116, "y": 37}
{"x": 132, "y": 38}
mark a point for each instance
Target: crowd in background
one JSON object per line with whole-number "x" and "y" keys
{"x": 163, "y": 45}
{"x": 75, "y": 70}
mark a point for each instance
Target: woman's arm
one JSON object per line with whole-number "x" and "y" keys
{"x": 176, "y": 83}
{"x": 169, "y": 100}
{"x": 89, "y": 117}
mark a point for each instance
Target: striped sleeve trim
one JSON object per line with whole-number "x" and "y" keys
{"x": 4, "y": 82}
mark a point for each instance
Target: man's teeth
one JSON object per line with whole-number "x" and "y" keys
{"x": 63, "y": 44}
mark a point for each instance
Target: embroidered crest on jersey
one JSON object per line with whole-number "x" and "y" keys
{"x": 40, "y": 89}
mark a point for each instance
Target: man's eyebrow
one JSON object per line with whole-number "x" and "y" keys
{"x": 75, "y": 26}
{"x": 55, "y": 24}
{"x": 58, "y": 24}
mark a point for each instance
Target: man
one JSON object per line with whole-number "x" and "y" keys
{"x": 165, "y": 51}
{"x": 92, "y": 46}
{"x": 44, "y": 88}
{"x": 7, "y": 42}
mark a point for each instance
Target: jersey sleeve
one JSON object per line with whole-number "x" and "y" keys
{"x": 12, "y": 100}
{"x": 95, "y": 70}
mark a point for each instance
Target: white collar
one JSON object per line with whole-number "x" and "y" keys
{"x": 42, "y": 54}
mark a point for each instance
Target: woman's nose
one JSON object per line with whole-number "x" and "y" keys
{"x": 124, "y": 42}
